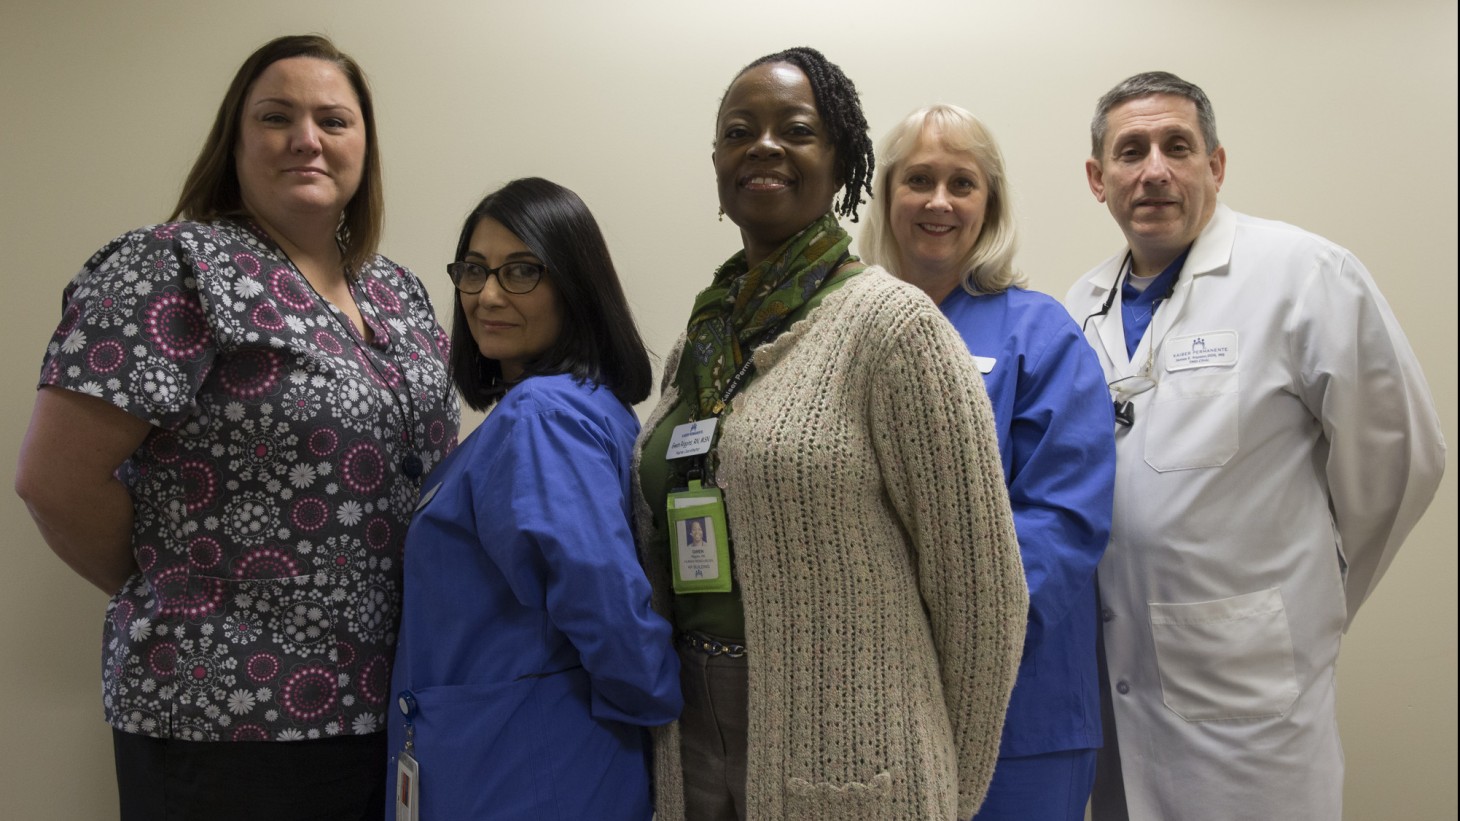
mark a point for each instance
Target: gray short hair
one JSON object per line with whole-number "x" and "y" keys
{"x": 1144, "y": 85}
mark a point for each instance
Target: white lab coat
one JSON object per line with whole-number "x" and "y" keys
{"x": 1289, "y": 445}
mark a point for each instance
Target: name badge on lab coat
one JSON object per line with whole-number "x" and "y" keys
{"x": 1211, "y": 349}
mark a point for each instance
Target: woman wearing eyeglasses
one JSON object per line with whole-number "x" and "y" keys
{"x": 529, "y": 660}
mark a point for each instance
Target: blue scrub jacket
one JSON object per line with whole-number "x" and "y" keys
{"x": 1057, "y": 439}
{"x": 527, "y": 637}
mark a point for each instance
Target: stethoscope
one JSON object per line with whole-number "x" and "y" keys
{"x": 1125, "y": 267}
{"x": 1125, "y": 410}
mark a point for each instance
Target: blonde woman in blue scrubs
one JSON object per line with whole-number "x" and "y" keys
{"x": 941, "y": 219}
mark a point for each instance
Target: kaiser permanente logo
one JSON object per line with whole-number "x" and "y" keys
{"x": 696, "y": 435}
{"x": 1202, "y": 350}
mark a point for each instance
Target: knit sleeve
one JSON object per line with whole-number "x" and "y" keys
{"x": 935, "y": 438}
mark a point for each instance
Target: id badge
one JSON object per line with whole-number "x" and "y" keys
{"x": 699, "y": 543}
{"x": 691, "y": 439}
{"x": 407, "y": 788}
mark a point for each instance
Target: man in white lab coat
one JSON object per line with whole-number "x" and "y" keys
{"x": 1276, "y": 441}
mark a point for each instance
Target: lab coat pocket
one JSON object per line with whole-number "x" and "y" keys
{"x": 1225, "y": 659}
{"x": 1193, "y": 420}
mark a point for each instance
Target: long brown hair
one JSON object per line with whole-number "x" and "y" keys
{"x": 211, "y": 190}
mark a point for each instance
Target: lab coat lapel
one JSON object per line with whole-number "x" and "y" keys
{"x": 1109, "y": 329}
{"x": 1211, "y": 252}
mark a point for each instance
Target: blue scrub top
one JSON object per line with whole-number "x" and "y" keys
{"x": 1057, "y": 439}
{"x": 527, "y": 637}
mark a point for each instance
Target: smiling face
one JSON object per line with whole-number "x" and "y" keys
{"x": 1157, "y": 177}
{"x": 510, "y": 328}
{"x": 936, "y": 208}
{"x": 301, "y": 143}
{"x": 774, "y": 161}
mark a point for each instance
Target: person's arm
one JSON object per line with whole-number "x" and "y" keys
{"x": 1359, "y": 378}
{"x": 66, "y": 477}
{"x": 936, "y": 440}
{"x": 561, "y": 535}
{"x": 1062, "y": 471}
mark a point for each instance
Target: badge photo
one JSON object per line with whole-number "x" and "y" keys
{"x": 699, "y": 546}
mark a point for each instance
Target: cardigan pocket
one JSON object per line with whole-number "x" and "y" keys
{"x": 845, "y": 800}
{"x": 1226, "y": 659}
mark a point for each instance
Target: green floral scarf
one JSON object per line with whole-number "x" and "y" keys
{"x": 745, "y": 307}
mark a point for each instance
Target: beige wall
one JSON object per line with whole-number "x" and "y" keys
{"x": 1338, "y": 115}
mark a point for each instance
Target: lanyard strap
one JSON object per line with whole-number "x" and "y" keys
{"x": 746, "y": 369}
{"x": 742, "y": 375}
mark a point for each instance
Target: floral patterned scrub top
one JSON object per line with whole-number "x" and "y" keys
{"x": 272, "y": 495}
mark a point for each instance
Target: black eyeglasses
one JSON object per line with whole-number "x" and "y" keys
{"x": 514, "y": 277}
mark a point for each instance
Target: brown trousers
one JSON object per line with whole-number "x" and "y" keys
{"x": 712, "y": 733}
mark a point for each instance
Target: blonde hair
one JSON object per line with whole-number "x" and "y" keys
{"x": 989, "y": 266}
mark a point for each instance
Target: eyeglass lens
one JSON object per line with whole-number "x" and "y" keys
{"x": 514, "y": 277}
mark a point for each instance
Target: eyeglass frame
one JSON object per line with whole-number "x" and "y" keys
{"x": 455, "y": 275}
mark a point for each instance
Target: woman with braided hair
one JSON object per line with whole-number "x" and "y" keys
{"x": 850, "y": 632}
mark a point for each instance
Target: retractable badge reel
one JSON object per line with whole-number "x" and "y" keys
{"x": 407, "y": 770}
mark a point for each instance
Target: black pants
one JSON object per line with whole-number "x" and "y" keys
{"x": 331, "y": 779}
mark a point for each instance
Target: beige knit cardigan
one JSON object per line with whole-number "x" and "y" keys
{"x": 884, "y": 596}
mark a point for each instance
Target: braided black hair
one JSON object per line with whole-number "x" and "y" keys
{"x": 841, "y": 110}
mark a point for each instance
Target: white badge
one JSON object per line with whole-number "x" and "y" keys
{"x": 1208, "y": 350}
{"x": 407, "y": 788}
{"x": 691, "y": 439}
{"x": 985, "y": 364}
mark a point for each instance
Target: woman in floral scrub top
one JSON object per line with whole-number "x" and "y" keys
{"x": 234, "y": 417}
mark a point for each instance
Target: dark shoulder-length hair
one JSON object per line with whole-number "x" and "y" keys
{"x": 211, "y": 190}
{"x": 599, "y": 341}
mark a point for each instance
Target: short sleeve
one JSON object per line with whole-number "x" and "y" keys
{"x": 134, "y": 330}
